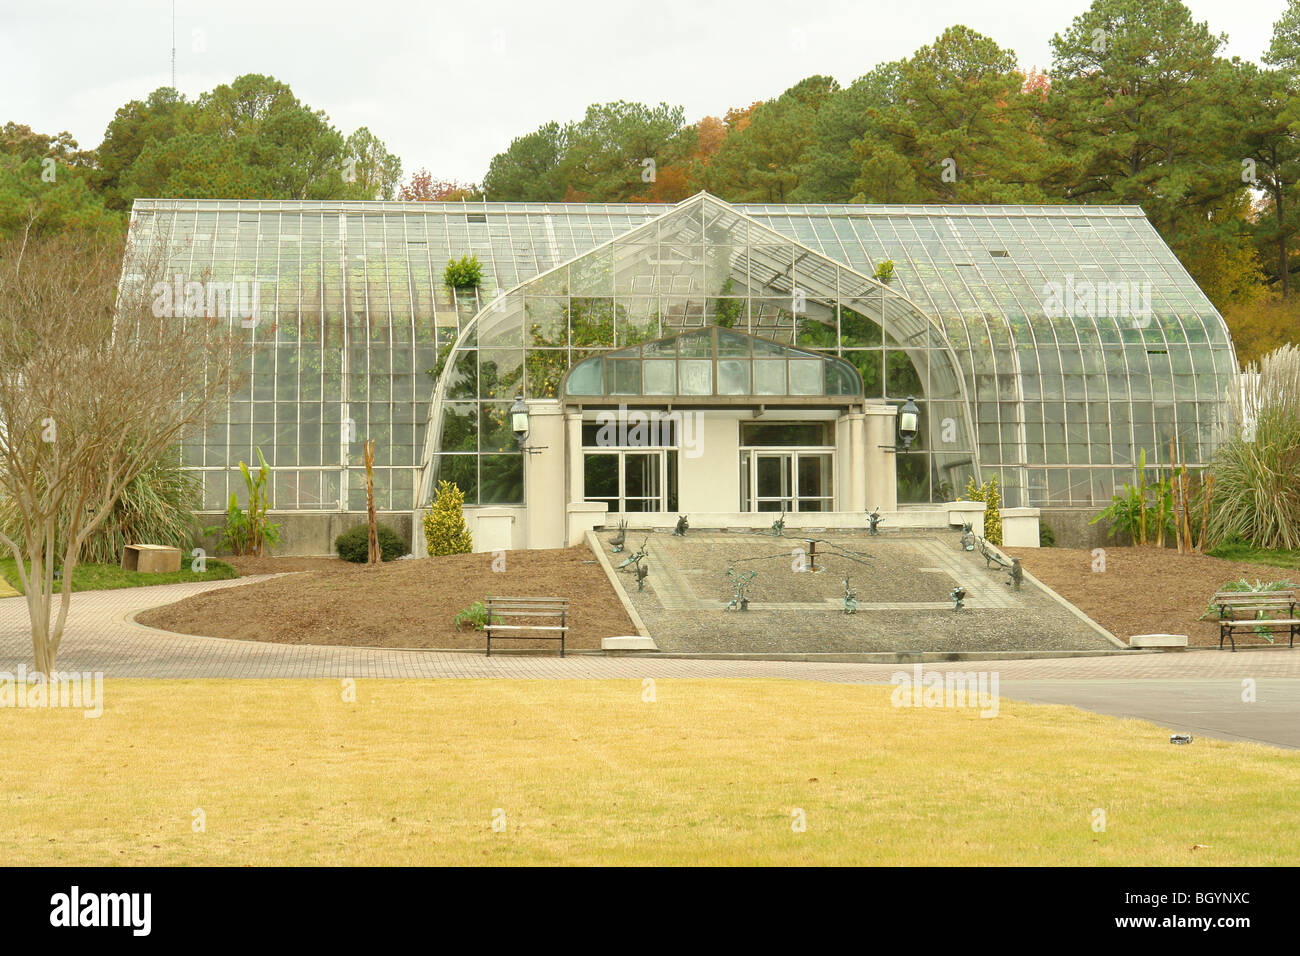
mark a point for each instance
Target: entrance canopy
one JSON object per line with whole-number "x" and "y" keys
{"x": 714, "y": 365}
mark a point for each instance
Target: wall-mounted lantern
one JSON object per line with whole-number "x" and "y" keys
{"x": 909, "y": 423}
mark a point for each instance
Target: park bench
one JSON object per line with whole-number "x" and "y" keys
{"x": 1251, "y": 610}
{"x": 526, "y": 618}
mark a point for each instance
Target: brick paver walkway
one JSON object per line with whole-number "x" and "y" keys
{"x": 100, "y": 638}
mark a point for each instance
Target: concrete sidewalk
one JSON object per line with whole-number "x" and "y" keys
{"x": 1196, "y": 691}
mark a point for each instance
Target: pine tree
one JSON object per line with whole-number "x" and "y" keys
{"x": 445, "y": 531}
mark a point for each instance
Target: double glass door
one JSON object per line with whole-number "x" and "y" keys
{"x": 786, "y": 480}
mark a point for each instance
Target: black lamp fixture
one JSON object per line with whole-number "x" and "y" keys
{"x": 519, "y": 425}
{"x": 909, "y": 423}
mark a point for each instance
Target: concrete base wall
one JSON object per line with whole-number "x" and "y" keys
{"x": 313, "y": 533}
{"x": 1072, "y": 528}
{"x": 308, "y": 533}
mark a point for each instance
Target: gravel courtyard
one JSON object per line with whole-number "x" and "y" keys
{"x": 902, "y": 582}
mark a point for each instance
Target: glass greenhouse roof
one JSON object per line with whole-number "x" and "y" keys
{"x": 1059, "y": 340}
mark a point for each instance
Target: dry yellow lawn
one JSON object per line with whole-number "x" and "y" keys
{"x": 711, "y": 772}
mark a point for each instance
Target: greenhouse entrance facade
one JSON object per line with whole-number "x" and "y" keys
{"x": 728, "y": 362}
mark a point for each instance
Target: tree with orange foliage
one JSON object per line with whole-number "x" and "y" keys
{"x": 424, "y": 188}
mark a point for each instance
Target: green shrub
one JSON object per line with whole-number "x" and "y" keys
{"x": 474, "y": 615}
{"x": 463, "y": 273}
{"x": 988, "y": 493}
{"x": 354, "y": 544}
{"x": 445, "y": 531}
{"x": 884, "y": 271}
{"x": 1046, "y": 536}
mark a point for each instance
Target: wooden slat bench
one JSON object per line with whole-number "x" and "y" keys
{"x": 521, "y": 619}
{"x": 1278, "y": 608}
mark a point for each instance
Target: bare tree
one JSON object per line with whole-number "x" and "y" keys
{"x": 96, "y": 382}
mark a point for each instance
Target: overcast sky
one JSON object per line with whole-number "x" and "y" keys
{"x": 447, "y": 85}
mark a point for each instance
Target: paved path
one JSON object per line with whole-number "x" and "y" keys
{"x": 1212, "y": 708}
{"x": 1197, "y": 691}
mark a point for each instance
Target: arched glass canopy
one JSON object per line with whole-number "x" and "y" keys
{"x": 804, "y": 323}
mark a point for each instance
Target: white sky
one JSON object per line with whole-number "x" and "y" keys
{"x": 447, "y": 85}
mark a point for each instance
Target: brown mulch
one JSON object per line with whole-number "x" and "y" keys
{"x": 274, "y": 564}
{"x": 1146, "y": 590}
{"x": 399, "y": 603}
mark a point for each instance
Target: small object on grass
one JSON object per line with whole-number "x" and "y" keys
{"x": 1180, "y": 738}
{"x": 958, "y": 595}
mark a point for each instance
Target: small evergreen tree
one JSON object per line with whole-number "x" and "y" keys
{"x": 463, "y": 273}
{"x": 445, "y": 531}
{"x": 988, "y": 493}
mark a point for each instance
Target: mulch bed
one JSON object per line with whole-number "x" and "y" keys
{"x": 399, "y": 603}
{"x": 1146, "y": 590}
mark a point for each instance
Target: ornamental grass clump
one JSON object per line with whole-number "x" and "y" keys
{"x": 1257, "y": 464}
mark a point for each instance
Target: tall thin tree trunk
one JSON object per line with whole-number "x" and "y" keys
{"x": 1281, "y": 245}
{"x": 369, "y": 449}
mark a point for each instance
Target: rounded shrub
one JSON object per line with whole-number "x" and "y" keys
{"x": 354, "y": 544}
{"x": 1046, "y": 536}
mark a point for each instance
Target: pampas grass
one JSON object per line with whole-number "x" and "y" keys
{"x": 1257, "y": 464}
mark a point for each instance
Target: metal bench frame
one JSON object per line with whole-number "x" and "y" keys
{"x": 1231, "y": 602}
{"x": 503, "y": 609}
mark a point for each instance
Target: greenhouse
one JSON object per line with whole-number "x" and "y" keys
{"x": 1048, "y": 346}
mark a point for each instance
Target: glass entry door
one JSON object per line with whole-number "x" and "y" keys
{"x": 773, "y": 481}
{"x": 786, "y": 480}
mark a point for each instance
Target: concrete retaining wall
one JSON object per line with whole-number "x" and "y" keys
{"x": 308, "y": 533}
{"x": 1072, "y": 528}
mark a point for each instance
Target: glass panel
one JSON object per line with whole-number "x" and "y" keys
{"x": 659, "y": 377}
{"x": 624, "y": 376}
{"x": 503, "y": 480}
{"x": 600, "y": 479}
{"x": 733, "y": 377}
{"x": 815, "y": 491}
{"x": 773, "y": 475}
{"x": 695, "y": 377}
{"x": 641, "y": 481}
{"x": 806, "y": 377}
{"x": 769, "y": 377}
{"x": 785, "y": 433}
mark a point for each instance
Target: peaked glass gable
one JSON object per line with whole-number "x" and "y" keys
{"x": 700, "y": 266}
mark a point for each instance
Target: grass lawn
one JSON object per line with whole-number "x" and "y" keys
{"x": 103, "y": 577}
{"x": 1240, "y": 551}
{"x": 286, "y": 771}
